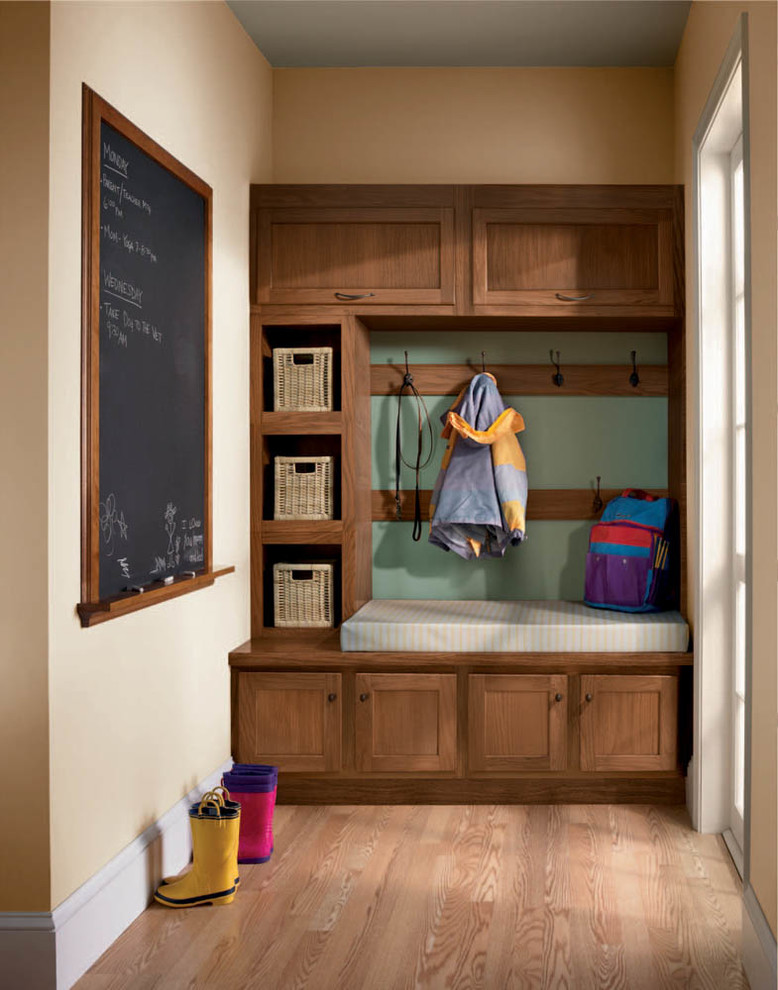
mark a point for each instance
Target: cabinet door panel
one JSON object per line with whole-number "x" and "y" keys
{"x": 573, "y": 259}
{"x": 290, "y": 720}
{"x": 381, "y": 256}
{"x": 406, "y": 722}
{"x": 629, "y": 723}
{"x": 516, "y": 722}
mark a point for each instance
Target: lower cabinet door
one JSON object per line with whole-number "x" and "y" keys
{"x": 290, "y": 720}
{"x": 406, "y": 722}
{"x": 517, "y": 722}
{"x": 629, "y": 722}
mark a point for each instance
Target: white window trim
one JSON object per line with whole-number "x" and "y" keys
{"x": 739, "y": 500}
{"x": 709, "y": 785}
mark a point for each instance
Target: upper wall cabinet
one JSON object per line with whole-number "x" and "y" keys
{"x": 601, "y": 251}
{"x": 547, "y": 250}
{"x": 355, "y": 245}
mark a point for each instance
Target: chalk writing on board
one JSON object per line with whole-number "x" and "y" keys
{"x": 130, "y": 244}
{"x": 116, "y": 194}
{"x": 118, "y": 327}
{"x": 170, "y": 524}
{"x": 117, "y": 162}
{"x": 112, "y": 324}
{"x": 124, "y": 566}
{"x": 135, "y": 325}
{"x": 194, "y": 550}
{"x": 112, "y": 524}
{"x": 172, "y": 556}
{"x": 110, "y": 205}
{"x": 122, "y": 289}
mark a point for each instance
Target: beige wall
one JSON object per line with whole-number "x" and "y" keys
{"x": 473, "y": 125}
{"x": 705, "y": 41}
{"x": 140, "y": 704}
{"x": 24, "y": 729}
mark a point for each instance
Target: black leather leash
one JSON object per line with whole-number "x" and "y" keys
{"x": 399, "y": 460}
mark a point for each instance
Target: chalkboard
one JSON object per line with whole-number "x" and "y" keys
{"x": 146, "y": 517}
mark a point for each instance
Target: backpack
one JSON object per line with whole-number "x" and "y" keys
{"x": 631, "y": 564}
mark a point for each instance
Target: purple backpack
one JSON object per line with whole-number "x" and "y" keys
{"x": 631, "y": 565}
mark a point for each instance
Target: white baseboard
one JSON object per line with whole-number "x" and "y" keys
{"x": 759, "y": 948}
{"x": 51, "y": 950}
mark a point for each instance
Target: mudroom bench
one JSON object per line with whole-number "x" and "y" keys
{"x": 543, "y": 718}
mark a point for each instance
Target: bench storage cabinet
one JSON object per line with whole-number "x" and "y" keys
{"x": 447, "y": 728}
{"x": 629, "y": 722}
{"x": 406, "y": 723}
{"x": 292, "y": 720}
{"x": 517, "y": 722}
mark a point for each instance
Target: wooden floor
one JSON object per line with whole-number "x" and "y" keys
{"x": 592, "y": 897}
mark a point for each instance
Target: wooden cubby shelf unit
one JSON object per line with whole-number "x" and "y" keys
{"x": 331, "y": 264}
{"x": 343, "y": 433}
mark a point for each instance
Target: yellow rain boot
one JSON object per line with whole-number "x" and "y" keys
{"x": 222, "y": 796}
{"x": 211, "y": 880}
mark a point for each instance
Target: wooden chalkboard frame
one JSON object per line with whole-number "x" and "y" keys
{"x": 92, "y": 609}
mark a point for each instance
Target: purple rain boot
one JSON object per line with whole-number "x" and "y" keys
{"x": 254, "y": 786}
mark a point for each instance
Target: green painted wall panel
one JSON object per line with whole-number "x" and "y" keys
{"x": 548, "y": 564}
{"x": 513, "y": 347}
{"x": 567, "y": 442}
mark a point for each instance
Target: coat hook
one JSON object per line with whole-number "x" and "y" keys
{"x": 634, "y": 378}
{"x": 597, "y": 504}
{"x": 483, "y": 361}
{"x": 558, "y": 379}
{"x": 408, "y": 380}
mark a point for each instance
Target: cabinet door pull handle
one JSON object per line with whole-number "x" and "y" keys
{"x": 354, "y": 295}
{"x": 332, "y": 697}
{"x": 564, "y": 298}
{"x": 364, "y": 697}
{"x": 588, "y": 697}
{"x": 557, "y": 697}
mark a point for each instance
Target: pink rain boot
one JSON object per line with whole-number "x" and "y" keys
{"x": 254, "y": 786}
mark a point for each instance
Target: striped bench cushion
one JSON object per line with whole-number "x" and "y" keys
{"x": 395, "y": 625}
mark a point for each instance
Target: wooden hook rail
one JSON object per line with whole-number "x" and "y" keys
{"x": 542, "y": 503}
{"x": 525, "y": 379}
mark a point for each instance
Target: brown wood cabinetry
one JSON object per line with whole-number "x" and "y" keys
{"x": 326, "y": 246}
{"x": 459, "y": 728}
{"x": 292, "y": 720}
{"x": 406, "y": 722}
{"x": 629, "y": 722}
{"x": 330, "y": 265}
{"x": 487, "y": 250}
{"x": 573, "y": 258}
{"x": 517, "y": 722}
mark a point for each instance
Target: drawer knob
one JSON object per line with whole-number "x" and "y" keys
{"x": 332, "y": 697}
{"x": 364, "y": 697}
{"x": 350, "y": 296}
{"x": 588, "y": 697}
{"x": 557, "y": 697}
{"x": 564, "y": 298}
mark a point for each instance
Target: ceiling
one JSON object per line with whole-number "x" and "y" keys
{"x": 464, "y": 32}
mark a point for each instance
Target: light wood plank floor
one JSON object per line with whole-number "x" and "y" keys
{"x": 582, "y": 897}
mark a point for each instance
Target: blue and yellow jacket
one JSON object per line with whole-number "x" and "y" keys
{"x": 479, "y": 502}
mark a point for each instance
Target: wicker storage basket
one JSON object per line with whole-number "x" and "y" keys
{"x": 302, "y": 379}
{"x": 303, "y": 488}
{"x": 303, "y": 595}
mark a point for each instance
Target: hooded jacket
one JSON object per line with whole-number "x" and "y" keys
{"x": 478, "y": 505}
